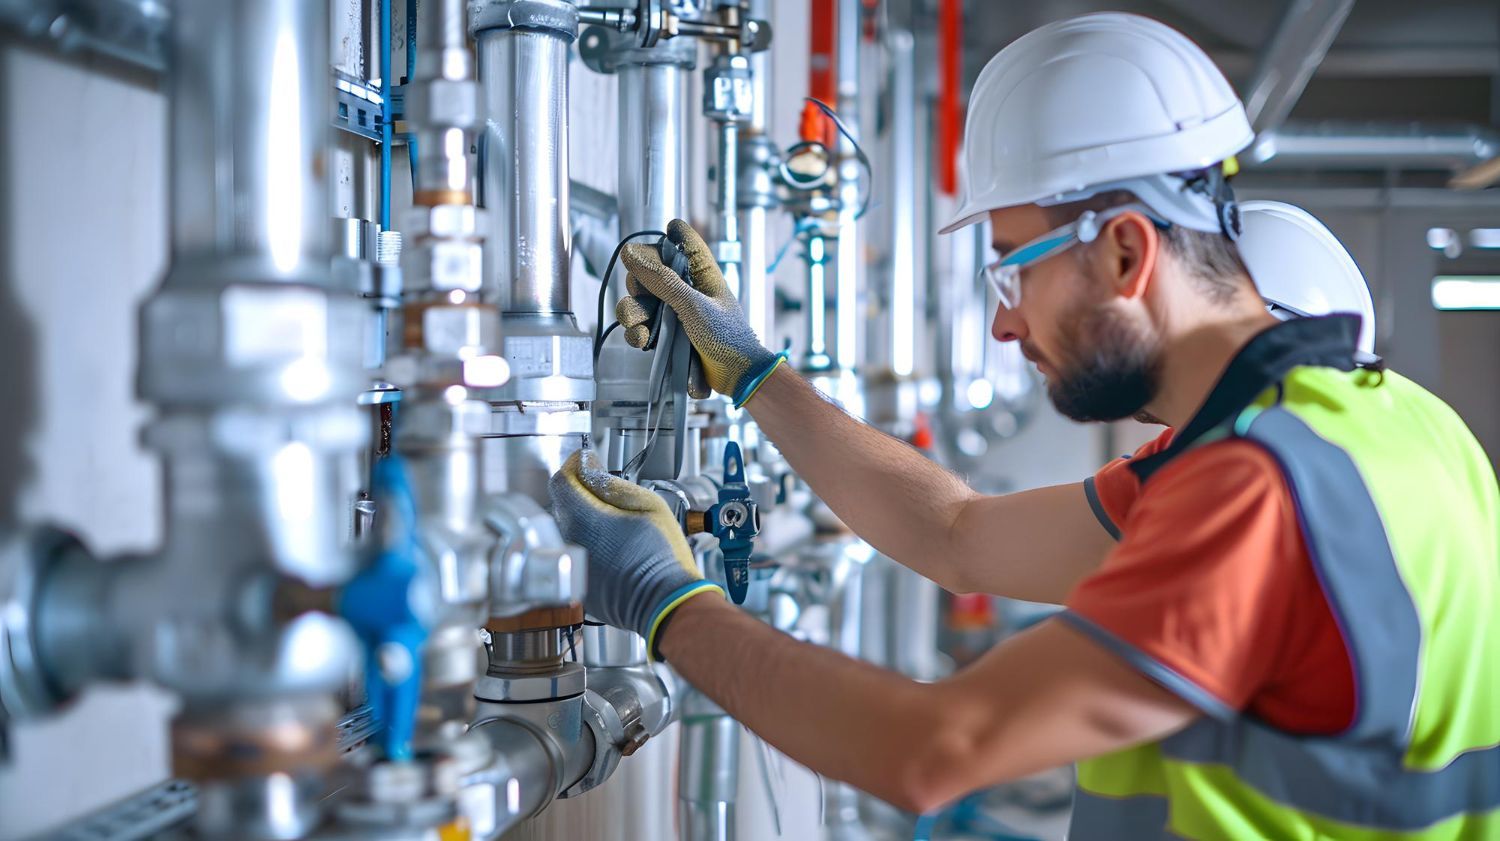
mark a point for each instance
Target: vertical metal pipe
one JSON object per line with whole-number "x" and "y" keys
{"x": 440, "y": 122}
{"x": 903, "y": 269}
{"x": 524, "y": 74}
{"x": 652, "y": 177}
{"x": 847, "y": 296}
{"x": 708, "y": 776}
{"x": 248, "y": 147}
{"x": 727, "y": 202}
{"x": 817, "y": 358}
{"x": 756, "y": 294}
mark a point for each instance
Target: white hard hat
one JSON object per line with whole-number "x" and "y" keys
{"x": 1299, "y": 266}
{"x": 1093, "y": 103}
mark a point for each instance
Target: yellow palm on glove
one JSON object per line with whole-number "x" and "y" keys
{"x": 734, "y": 362}
{"x": 640, "y": 566}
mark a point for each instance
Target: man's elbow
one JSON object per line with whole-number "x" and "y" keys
{"x": 944, "y": 767}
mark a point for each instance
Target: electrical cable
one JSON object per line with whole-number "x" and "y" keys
{"x": 609, "y": 270}
{"x": 859, "y": 153}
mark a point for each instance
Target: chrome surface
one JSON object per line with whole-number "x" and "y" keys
{"x": 524, "y": 170}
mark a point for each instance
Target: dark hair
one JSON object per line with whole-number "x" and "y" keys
{"x": 1211, "y": 258}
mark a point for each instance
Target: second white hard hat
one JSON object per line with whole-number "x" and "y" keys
{"x": 1301, "y": 268}
{"x": 1092, "y": 103}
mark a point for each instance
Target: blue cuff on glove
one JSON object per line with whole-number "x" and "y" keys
{"x": 669, "y": 604}
{"x": 747, "y": 390}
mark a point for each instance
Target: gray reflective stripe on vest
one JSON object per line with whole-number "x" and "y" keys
{"x": 1142, "y": 817}
{"x": 1092, "y": 493}
{"x": 1356, "y": 777}
{"x": 1361, "y": 784}
{"x": 1352, "y": 556}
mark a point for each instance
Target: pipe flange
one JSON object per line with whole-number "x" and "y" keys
{"x": 558, "y": 17}
{"x": 609, "y": 735}
{"x": 25, "y": 690}
{"x": 521, "y": 687}
{"x": 605, "y": 50}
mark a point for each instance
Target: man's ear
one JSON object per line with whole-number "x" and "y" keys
{"x": 1132, "y": 243}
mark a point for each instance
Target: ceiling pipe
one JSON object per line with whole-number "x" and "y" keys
{"x": 1374, "y": 146}
{"x": 1303, "y": 35}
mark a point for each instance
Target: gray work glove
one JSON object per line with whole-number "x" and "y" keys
{"x": 735, "y": 363}
{"x": 640, "y": 566}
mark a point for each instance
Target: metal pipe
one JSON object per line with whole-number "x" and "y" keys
{"x": 520, "y": 780}
{"x": 443, "y": 116}
{"x": 903, "y": 267}
{"x": 652, "y": 166}
{"x": 1374, "y": 146}
{"x": 248, "y": 147}
{"x": 846, "y": 308}
{"x": 1302, "y": 38}
{"x": 524, "y": 74}
{"x": 708, "y": 773}
{"x": 726, "y": 202}
{"x": 817, "y": 358}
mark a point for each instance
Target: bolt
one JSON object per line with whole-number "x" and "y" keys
{"x": 636, "y": 736}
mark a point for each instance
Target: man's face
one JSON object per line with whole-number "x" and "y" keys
{"x": 1097, "y": 348}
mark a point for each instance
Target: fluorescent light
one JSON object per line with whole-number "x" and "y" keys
{"x": 1471, "y": 292}
{"x": 1485, "y": 238}
{"x": 1440, "y": 238}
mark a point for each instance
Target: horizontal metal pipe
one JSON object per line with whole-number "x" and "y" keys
{"x": 1378, "y": 146}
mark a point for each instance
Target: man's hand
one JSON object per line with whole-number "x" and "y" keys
{"x": 735, "y": 363}
{"x": 640, "y": 566}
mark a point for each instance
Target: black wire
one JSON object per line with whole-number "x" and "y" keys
{"x": 599, "y": 331}
{"x": 602, "y": 339}
{"x": 859, "y": 153}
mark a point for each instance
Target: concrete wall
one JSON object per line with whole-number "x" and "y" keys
{"x": 82, "y": 240}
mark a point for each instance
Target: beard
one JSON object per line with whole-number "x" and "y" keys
{"x": 1115, "y": 370}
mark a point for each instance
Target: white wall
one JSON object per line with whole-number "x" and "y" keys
{"x": 82, "y": 239}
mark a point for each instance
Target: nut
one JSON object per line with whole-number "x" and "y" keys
{"x": 442, "y": 103}
{"x": 444, "y": 220}
{"x": 443, "y": 264}
{"x": 459, "y": 331}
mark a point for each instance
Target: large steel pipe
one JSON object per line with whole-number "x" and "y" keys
{"x": 249, "y": 118}
{"x": 524, "y": 74}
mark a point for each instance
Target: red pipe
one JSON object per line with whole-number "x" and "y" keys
{"x": 949, "y": 112}
{"x": 823, "y": 80}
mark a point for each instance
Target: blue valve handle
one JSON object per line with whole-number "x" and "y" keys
{"x": 385, "y": 604}
{"x": 735, "y": 521}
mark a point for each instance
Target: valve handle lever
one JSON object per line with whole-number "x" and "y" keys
{"x": 735, "y": 520}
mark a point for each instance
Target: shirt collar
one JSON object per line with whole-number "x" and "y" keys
{"x": 1327, "y": 341}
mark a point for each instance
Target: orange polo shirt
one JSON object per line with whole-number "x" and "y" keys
{"x": 1212, "y": 579}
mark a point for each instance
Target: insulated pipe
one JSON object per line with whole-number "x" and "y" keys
{"x": 249, "y": 118}
{"x": 524, "y": 74}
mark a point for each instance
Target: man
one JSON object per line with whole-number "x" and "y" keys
{"x": 1278, "y": 617}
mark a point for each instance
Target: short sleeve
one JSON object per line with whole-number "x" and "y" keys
{"x": 1207, "y": 586}
{"x": 1113, "y": 490}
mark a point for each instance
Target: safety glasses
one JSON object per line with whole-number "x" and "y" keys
{"x": 1004, "y": 275}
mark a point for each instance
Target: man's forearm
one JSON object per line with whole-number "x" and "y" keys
{"x": 891, "y": 495}
{"x": 843, "y": 718}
